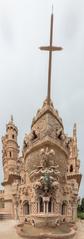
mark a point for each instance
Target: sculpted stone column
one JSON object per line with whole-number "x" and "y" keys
{"x": 74, "y": 211}
{"x": 38, "y": 207}
{"x": 52, "y": 207}
{"x": 46, "y": 206}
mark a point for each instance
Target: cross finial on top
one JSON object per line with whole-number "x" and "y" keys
{"x": 50, "y": 49}
{"x": 52, "y": 8}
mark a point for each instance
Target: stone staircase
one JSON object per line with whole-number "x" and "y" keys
{"x": 5, "y": 215}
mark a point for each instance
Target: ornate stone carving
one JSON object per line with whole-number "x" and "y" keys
{"x": 40, "y": 176}
{"x": 47, "y": 175}
{"x": 47, "y": 157}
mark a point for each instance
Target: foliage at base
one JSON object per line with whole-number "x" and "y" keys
{"x": 80, "y": 210}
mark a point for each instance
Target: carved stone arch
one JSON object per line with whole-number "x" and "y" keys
{"x": 41, "y": 204}
{"x": 71, "y": 168}
{"x": 26, "y": 207}
{"x": 2, "y": 203}
{"x": 64, "y": 207}
{"x": 51, "y": 205}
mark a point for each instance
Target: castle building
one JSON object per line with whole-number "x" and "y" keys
{"x": 42, "y": 185}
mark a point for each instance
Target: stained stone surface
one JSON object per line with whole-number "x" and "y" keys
{"x": 43, "y": 183}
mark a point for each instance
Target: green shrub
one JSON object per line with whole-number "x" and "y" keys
{"x": 80, "y": 215}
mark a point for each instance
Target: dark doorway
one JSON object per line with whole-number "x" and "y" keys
{"x": 71, "y": 168}
{"x": 41, "y": 204}
{"x": 64, "y": 207}
{"x": 26, "y": 208}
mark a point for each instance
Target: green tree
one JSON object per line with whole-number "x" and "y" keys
{"x": 82, "y": 205}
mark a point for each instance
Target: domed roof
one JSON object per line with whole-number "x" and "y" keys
{"x": 11, "y": 125}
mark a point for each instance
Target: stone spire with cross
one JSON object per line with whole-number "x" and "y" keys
{"x": 50, "y": 49}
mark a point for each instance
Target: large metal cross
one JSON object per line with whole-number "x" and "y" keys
{"x": 50, "y": 48}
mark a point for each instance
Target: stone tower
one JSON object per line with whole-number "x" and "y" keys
{"x": 74, "y": 162}
{"x": 42, "y": 185}
{"x": 10, "y": 162}
{"x": 46, "y": 154}
{"x": 52, "y": 178}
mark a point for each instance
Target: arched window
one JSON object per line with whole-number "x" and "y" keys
{"x": 37, "y": 207}
{"x": 1, "y": 203}
{"x": 41, "y": 204}
{"x": 13, "y": 136}
{"x": 64, "y": 208}
{"x": 26, "y": 208}
{"x": 10, "y": 154}
{"x": 71, "y": 168}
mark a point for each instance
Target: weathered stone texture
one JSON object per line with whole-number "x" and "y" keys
{"x": 43, "y": 183}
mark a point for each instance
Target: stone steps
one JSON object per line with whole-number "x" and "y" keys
{"x": 5, "y": 216}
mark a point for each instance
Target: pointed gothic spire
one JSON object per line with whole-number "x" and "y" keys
{"x": 75, "y": 130}
{"x": 12, "y": 118}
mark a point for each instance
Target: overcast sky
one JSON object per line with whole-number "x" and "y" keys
{"x": 24, "y": 26}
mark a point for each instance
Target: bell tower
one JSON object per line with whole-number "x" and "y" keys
{"x": 74, "y": 162}
{"x": 10, "y": 149}
{"x": 10, "y": 153}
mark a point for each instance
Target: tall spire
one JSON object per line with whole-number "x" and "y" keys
{"x": 50, "y": 49}
{"x": 75, "y": 130}
{"x": 12, "y": 118}
{"x": 52, "y": 8}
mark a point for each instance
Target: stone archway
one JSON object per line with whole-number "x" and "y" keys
{"x": 2, "y": 203}
{"x": 41, "y": 204}
{"x": 50, "y": 206}
{"x": 25, "y": 207}
{"x": 64, "y": 208}
{"x": 71, "y": 168}
{"x": 45, "y": 205}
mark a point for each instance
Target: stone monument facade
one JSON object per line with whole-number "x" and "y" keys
{"x": 42, "y": 185}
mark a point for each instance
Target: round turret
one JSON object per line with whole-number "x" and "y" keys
{"x": 12, "y": 130}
